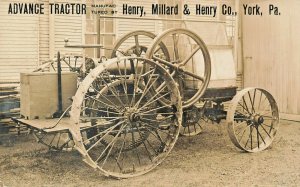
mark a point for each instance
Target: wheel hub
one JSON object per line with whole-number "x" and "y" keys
{"x": 132, "y": 115}
{"x": 191, "y": 116}
{"x": 257, "y": 119}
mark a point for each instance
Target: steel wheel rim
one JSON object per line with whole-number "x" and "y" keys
{"x": 137, "y": 170}
{"x": 192, "y": 130}
{"x": 260, "y": 114}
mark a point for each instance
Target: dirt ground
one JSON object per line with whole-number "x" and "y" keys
{"x": 209, "y": 159}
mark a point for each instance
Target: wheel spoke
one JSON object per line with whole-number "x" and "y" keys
{"x": 259, "y": 134}
{"x": 123, "y": 145}
{"x": 136, "y": 83}
{"x": 158, "y": 48}
{"x": 239, "y": 112}
{"x": 137, "y": 45}
{"x": 107, "y": 122}
{"x": 265, "y": 110}
{"x": 107, "y": 131}
{"x": 252, "y": 107}
{"x": 199, "y": 125}
{"x": 156, "y": 136}
{"x": 189, "y": 131}
{"x": 175, "y": 45}
{"x": 185, "y": 61}
{"x": 150, "y": 145}
{"x": 265, "y": 130}
{"x": 150, "y": 101}
{"x": 243, "y": 134}
{"x": 104, "y": 111}
{"x": 254, "y": 95}
{"x": 148, "y": 152}
{"x": 194, "y": 75}
{"x": 240, "y": 124}
{"x": 250, "y": 137}
{"x": 239, "y": 119}
{"x": 247, "y": 109}
{"x": 195, "y": 127}
{"x": 113, "y": 140}
{"x": 164, "y": 62}
{"x": 146, "y": 88}
{"x": 113, "y": 92}
{"x": 148, "y": 111}
{"x": 101, "y": 117}
{"x": 107, "y": 155}
{"x": 125, "y": 76}
{"x": 263, "y": 103}
{"x": 245, "y": 128}
{"x": 134, "y": 145}
{"x": 112, "y": 106}
{"x": 123, "y": 82}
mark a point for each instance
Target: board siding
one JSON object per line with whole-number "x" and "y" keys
{"x": 26, "y": 41}
{"x": 271, "y": 60}
{"x": 22, "y": 53}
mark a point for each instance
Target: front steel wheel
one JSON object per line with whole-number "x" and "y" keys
{"x": 253, "y": 119}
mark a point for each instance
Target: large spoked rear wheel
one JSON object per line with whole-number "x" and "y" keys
{"x": 253, "y": 119}
{"x": 189, "y": 62}
{"x": 120, "y": 128}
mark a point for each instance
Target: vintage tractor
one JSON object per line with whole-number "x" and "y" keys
{"x": 129, "y": 110}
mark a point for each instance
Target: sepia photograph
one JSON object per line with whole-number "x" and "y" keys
{"x": 149, "y": 93}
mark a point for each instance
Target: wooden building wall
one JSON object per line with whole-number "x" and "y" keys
{"x": 271, "y": 57}
{"x": 123, "y": 26}
{"x": 19, "y": 44}
{"x": 28, "y": 40}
